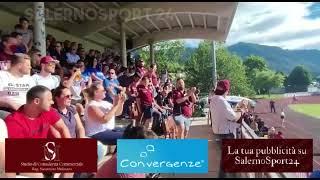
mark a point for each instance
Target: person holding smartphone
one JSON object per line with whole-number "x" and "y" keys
{"x": 225, "y": 118}
{"x": 99, "y": 117}
{"x": 112, "y": 85}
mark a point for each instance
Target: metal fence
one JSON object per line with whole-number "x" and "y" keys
{"x": 245, "y": 132}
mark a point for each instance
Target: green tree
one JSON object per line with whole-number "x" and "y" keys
{"x": 267, "y": 79}
{"x": 255, "y": 62}
{"x": 199, "y": 69}
{"x": 299, "y": 79}
{"x": 230, "y": 66}
{"x": 167, "y": 55}
{"x": 253, "y": 65}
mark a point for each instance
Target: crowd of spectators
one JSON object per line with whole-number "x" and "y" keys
{"x": 71, "y": 93}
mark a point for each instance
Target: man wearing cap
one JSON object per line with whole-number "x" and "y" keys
{"x": 45, "y": 77}
{"x": 224, "y": 118}
{"x": 14, "y": 84}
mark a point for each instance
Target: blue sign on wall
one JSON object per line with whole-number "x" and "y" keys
{"x": 162, "y": 156}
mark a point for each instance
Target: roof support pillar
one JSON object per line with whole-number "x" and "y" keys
{"x": 123, "y": 44}
{"x": 214, "y": 69}
{"x": 39, "y": 27}
{"x": 151, "y": 47}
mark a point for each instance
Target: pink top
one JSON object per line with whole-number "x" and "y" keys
{"x": 109, "y": 170}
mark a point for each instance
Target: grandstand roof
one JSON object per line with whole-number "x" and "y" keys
{"x": 144, "y": 21}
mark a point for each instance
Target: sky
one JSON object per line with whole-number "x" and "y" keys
{"x": 289, "y": 25}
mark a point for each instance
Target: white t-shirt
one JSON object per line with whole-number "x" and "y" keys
{"x": 15, "y": 89}
{"x": 50, "y": 81}
{"x": 282, "y": 114}
{"x": 76, "y": 89}
{"x": 92, "y": 126}
{"x": 3, "y": 131}
{"x": 223, "y": 116}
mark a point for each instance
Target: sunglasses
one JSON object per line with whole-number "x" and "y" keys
{"x": 68, "y": 96}
{"x": 51, "y": 64}
{"x": 58, "y": 46}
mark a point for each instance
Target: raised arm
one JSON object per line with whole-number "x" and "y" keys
{"x": 5, "y": 103}
{"x": 184, "y": 98}
{"x": 68, "y": 83}
{"x": 95, "y": 113}
{"x": 119, "y": 101}
{"x": 139, "y": 105}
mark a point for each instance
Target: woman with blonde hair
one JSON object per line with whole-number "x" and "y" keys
{"x": 99, "y": 115}
{"x": 243, "y": 104}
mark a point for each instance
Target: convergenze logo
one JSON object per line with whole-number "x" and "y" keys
{"x": 162, "y": 156}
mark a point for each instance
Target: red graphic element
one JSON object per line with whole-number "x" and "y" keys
{"x": 51, "y": 155}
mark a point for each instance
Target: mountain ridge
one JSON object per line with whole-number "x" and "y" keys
{"x": 279, "y": 59}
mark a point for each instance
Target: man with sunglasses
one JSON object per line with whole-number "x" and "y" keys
{"x": 35, "y": 55}
{"x": 112, "y": 85}
{"x": 58, "y": 54}
{"x": 72, "y": 56}
{"x": 45, "y": 77}
{"x": 82, "y": 53}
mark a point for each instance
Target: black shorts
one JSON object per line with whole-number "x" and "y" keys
{"x": 282, "y": 117}
{"x": 147, "y": 110}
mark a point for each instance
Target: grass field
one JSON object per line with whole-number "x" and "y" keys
{"x": 312, "y": 110}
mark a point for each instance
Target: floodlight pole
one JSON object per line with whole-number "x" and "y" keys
{"x": 214, "y": 69}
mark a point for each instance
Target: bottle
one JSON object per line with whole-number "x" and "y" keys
{"x": 78, "y": 77}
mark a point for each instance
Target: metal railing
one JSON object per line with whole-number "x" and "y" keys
{"x": 246, "y": 132}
